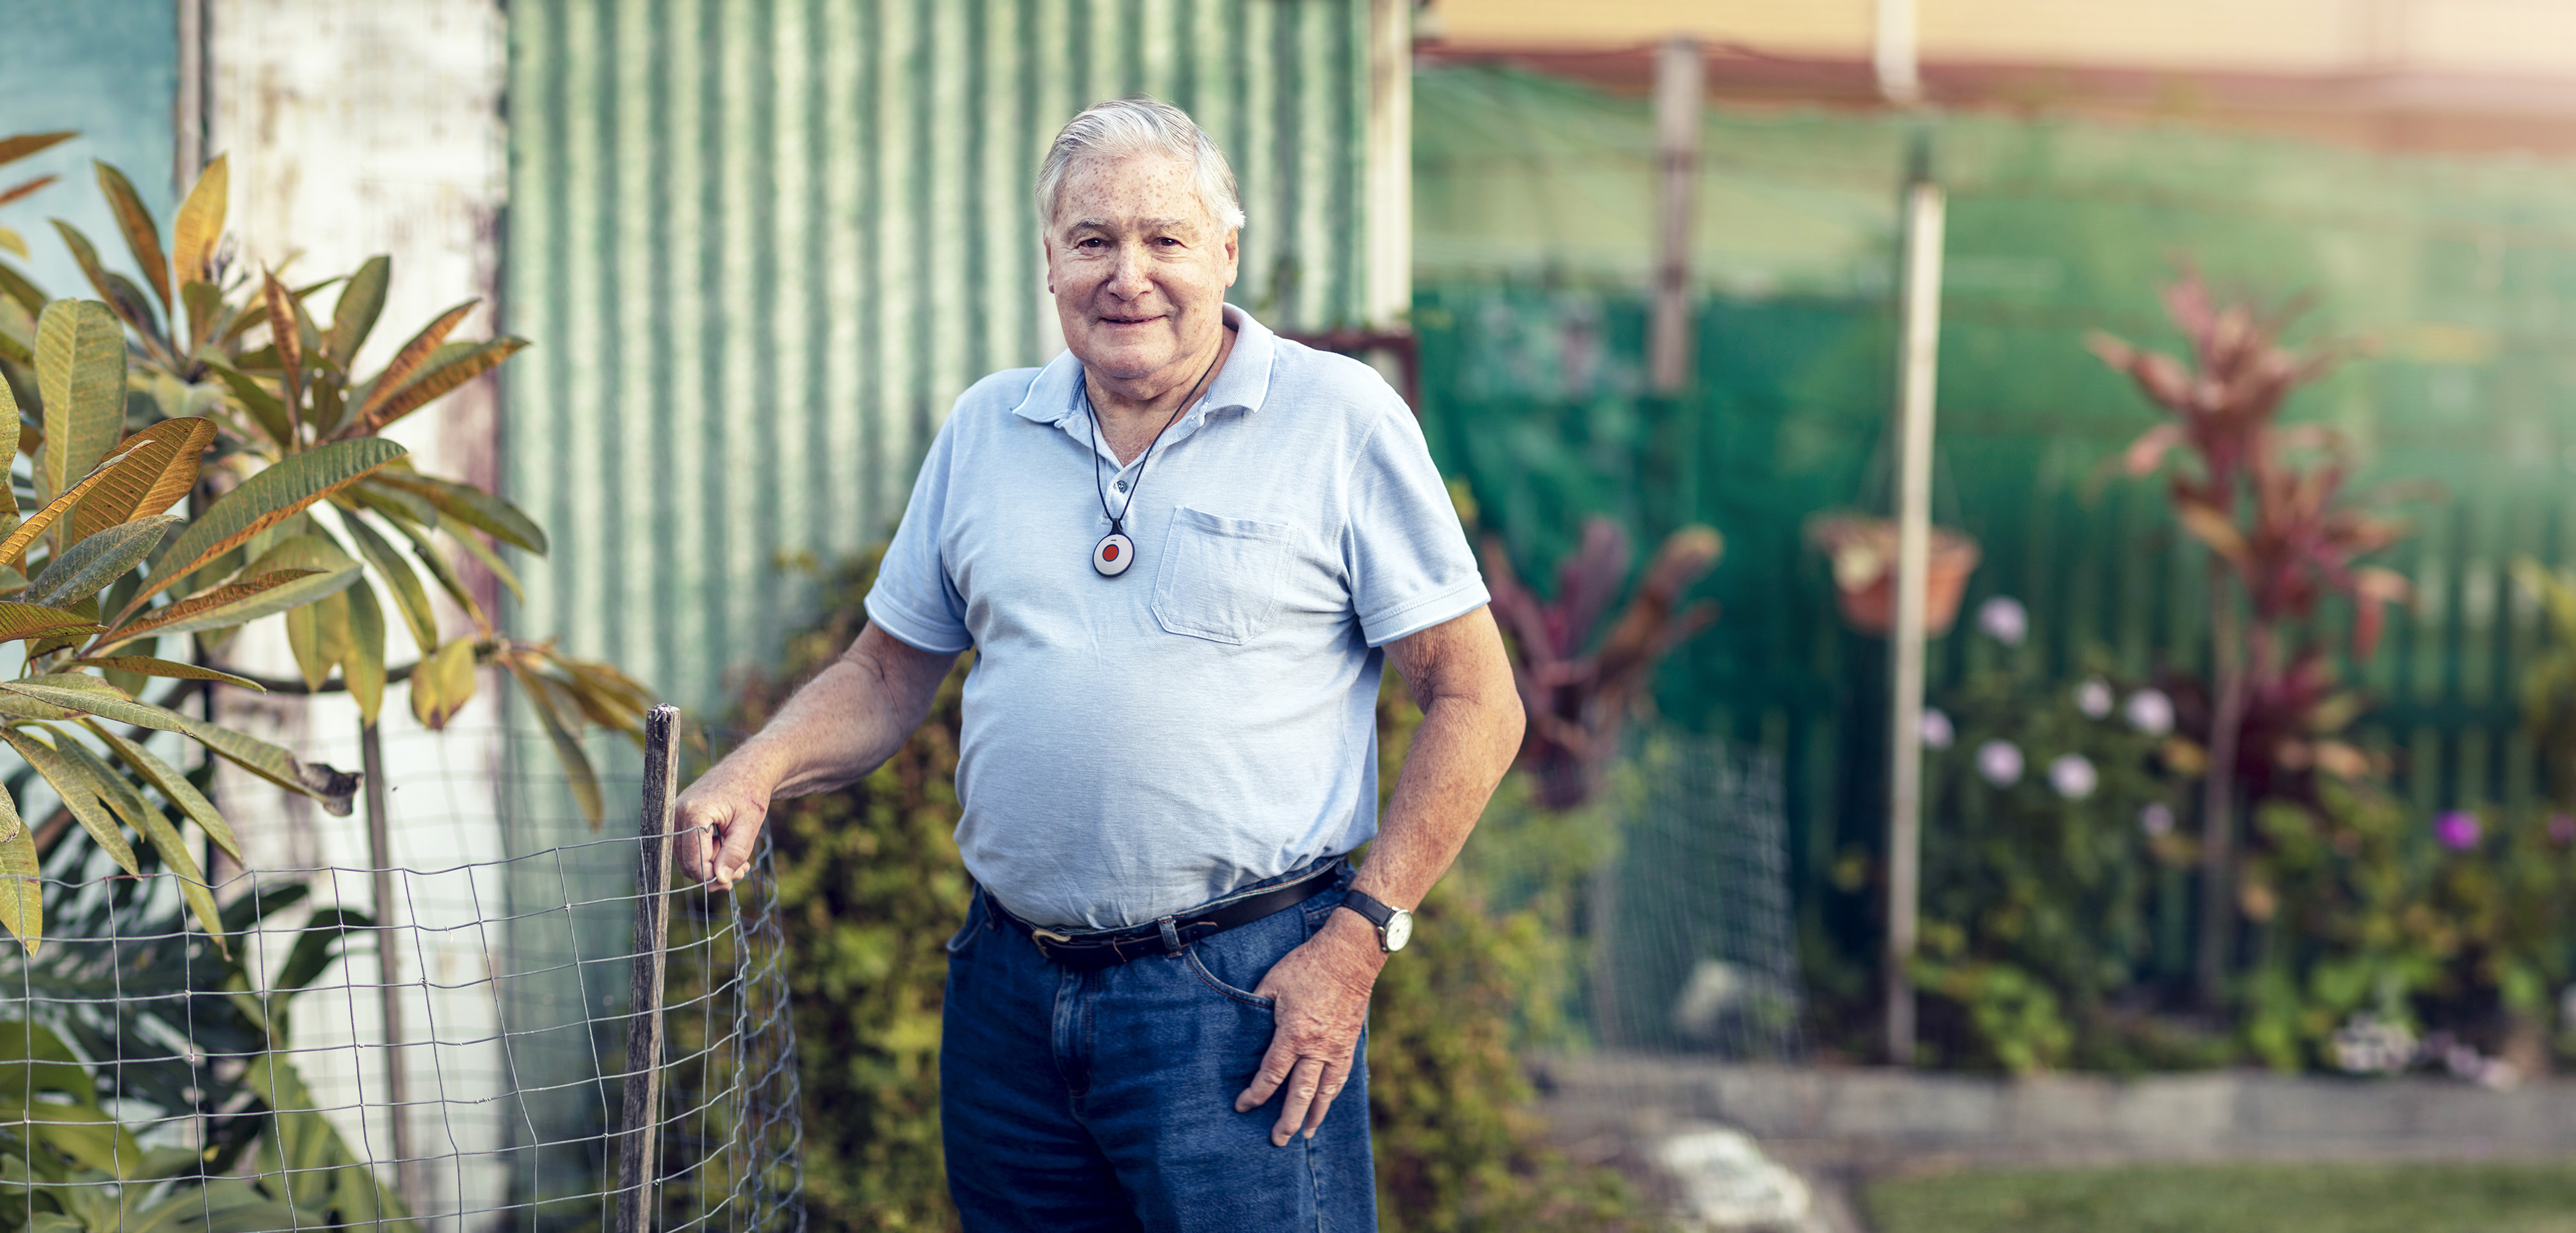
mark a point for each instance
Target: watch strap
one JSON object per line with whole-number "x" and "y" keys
{"x": 1377, "y": 913}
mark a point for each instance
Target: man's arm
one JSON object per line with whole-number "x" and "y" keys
{"x": 1471, "y": 728}
{"x": 839, "y": 727}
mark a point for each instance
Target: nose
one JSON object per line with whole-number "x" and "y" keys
{"x": 1127, "y": 278}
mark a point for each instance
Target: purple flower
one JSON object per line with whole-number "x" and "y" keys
{"x": 2004, "y": 620}
{"x": 2562, "y": 828}
{"x": 2158, "y": 819}
{"x": 2457, "y": 830}
{"x": 2073, "y": 776}
{"x": 2000, "y": 763}
{"x": 2151, "y": 712}
{"x": 1937, "y": 731}
{"x": 2093, "y": 697}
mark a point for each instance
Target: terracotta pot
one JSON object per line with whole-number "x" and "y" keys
{"x": 1863, "y": 551}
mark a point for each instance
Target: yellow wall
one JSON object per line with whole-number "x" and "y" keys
{"x": 2523, "y": 37}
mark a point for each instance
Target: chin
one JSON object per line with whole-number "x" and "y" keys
{"x": 1127, "y": 358}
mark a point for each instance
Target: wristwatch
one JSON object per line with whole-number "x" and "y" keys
{"x": 1394, "y": 925}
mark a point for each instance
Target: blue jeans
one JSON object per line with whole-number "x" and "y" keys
{"x": 1075, "y": 1101}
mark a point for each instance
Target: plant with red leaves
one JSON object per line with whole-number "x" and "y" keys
{"x": 1578, "y": 688}
{"x": 2268, "y": 501}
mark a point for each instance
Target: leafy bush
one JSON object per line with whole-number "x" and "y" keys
{"x": 870, "y": 884}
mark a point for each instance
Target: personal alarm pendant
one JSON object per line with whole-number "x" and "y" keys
{"x": 1115, "y": 552}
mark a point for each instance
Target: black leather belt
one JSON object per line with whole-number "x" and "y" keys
{"x": 1111, "y": 947}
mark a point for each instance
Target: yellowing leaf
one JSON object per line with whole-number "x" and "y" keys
{"x": 35, "y": 621}
{"x": 22, "y": 893}
{"x": 104, "y": 705}
{"x": 80, "y": 372}
{"x": 435, "y": 383}
{"x": 200, "y": 225}
{"x": 263, "y": 501}
{"x": 450, "y": 675}
{"x": 216, "y": 608}
{"x": 80, "y": 795}
{"x": 2213, "y": 528}
{"x": 158, "y": 466}
{"x": 142, "y": 235}
{"x": 408, "y": 360}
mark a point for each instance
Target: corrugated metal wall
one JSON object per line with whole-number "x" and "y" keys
{"x": 762, "y": 244}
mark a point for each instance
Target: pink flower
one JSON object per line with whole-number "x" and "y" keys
{"x": 2457, "y": 830}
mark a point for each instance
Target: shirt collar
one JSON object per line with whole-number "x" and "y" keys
{"x": 1056, "y": 394}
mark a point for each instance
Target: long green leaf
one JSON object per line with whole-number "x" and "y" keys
{"x": 409, "y": 595}
{"x": 472, "y": 506}
{"x": 91, "y": 1137}
{"x": 155, "y": 827}
{"x": 22, "y": 893}
{"x": 155, "y": 468}
{"x": 354, "y": 317}
{"x": 491, "y": 560}
{"x": 145, "y": 665}
{"x": 80, "y": 370}
{"x": 446, "y": 578}
{"x": 263, "y": 501}
{"x": 578, "y": 774}
{"x": 142, "y": 235}
{"x": 332, "y": 787}
{"x": 79, "y": 795}
{"x": 14, "y": 547}
{"x": 129, "y": 308}
{"x": 264, "y": 407}
{"x": 122, "y": 709}
{"x": 85, "y": 568}
{"x": 363, "y": 667}
{"x": 175, "y": 786}
{"x": 234, "y": 603}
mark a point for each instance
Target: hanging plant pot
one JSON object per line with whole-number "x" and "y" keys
{"x": 1863, "y": 552}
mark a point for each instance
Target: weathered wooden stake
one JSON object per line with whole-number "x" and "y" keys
{"x": 380, "y": 857}
{"x": 639, "y": 1126}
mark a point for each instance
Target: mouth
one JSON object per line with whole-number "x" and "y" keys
{"x": 1128, "y": 322}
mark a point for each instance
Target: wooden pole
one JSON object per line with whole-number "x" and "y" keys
{"x": 1922, "y": 326}
{"x": 1677, "y": 121}
{"x": 639, "y": 1125}
{"x": 380, "y": 857}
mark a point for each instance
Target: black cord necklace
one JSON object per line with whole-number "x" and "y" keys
{"x": 1115, "y": 552}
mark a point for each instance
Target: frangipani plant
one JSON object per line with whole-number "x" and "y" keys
{"x": 206, "y": 342}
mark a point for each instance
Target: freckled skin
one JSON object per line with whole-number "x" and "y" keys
{"x": 1139, "y": 271}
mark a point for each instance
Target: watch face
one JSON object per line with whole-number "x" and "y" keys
{"x": 1397, "y": 931}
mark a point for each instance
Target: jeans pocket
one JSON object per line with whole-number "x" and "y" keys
{"x": 1199, "y": 969}
{"x": 1221, "y": 576}
{"x": 974, "y": 922}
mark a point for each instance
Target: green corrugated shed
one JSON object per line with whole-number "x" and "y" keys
{"x": 762, "y": 244}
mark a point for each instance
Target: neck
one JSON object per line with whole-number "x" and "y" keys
{"x": 1150, "y": 400}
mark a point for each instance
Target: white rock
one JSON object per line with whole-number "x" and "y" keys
{"x": 1728, "y": 1184}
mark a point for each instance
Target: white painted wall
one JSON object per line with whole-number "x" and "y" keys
{"x": 355, "y": 129}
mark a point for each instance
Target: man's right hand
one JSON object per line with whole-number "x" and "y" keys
{"x": 719, "y": 819}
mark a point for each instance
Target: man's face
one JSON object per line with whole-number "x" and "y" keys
{"x": 1137, "y": 266}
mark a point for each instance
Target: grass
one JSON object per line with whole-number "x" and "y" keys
{"x": 2266, "y": 1198}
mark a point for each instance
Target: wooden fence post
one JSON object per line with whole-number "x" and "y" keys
{"x": 639, "y": 1125}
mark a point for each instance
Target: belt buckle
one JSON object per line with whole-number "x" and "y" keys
{"x": 1044, "y": 936}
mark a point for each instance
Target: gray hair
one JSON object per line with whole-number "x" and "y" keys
{"x": 1121, "y": 127}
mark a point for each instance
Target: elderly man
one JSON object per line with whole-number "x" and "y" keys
{"x": 1183, "y": 553}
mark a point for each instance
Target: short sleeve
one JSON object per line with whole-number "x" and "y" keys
{"x": 1409, "y": 563}
{"x": 913, "y": 598}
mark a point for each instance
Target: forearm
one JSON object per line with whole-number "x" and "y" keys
{"x": 843, "y": 724}
{"x": 1471, "y": 728}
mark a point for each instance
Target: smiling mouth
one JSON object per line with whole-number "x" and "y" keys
{"x": 1129, "y": 320}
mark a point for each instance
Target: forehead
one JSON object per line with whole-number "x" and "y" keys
{"x": 1133, "y": 189}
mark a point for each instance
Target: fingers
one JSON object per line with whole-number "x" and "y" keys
{"x": 1273, "y": 1071}
{"x": 1303, "y": 1083}
{"x": 1335, "y": 1074}
{"x": 733, "y": 860}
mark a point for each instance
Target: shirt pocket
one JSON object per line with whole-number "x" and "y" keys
{"x": 1221, "y": 577}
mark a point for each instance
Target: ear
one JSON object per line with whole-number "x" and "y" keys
{"x": 1233, "y": 256}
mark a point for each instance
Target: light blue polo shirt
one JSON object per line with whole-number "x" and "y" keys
{"x": 1136, "y": 746}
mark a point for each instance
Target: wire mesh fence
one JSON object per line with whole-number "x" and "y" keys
{"x": 274, "y": 1078}
{"x": 1699, "y": 948}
